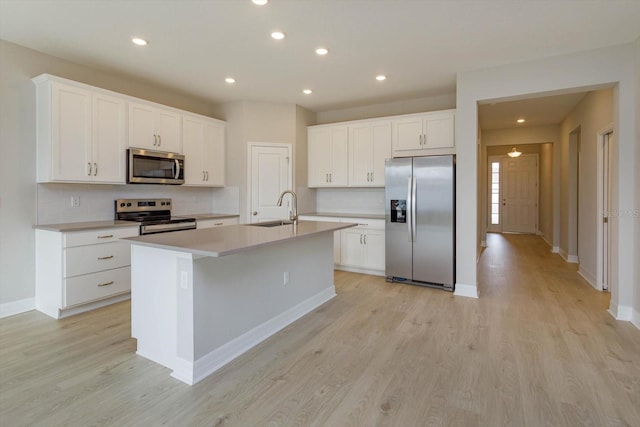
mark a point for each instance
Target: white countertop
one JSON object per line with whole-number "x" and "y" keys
{"x": 221, "y": 241}
{"x": 96, "y": 225}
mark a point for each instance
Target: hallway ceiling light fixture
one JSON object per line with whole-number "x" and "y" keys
{"x": 520, "y": 120}
{"x": 138, "y": 41}
{"x": 514, "y": 152}
{"x": 260, "y": 2}
{"x": 277, "y": 35}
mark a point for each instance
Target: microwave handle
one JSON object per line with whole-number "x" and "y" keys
{"x": 177, "y": 175}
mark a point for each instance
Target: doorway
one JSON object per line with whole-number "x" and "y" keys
{"x": 270, "y": 173}
{"x": 513, "y": 194}
{"x": 605, "y": 150}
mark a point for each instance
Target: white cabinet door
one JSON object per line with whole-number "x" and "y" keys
{"x": 338, "y": 174}
{"x": 154, "y": 128}
{"x": 374, "y": 250}
{"x": 71, "y": 134}
{"x": 360, "y": 154}
{"x": 214, "y": 154}
{"x": 167, "y": 127}
{"x": 352, "y": 252}
{"x": 319, "y": 157}
{"x": 381, "y": 146}
{"x": 407, "y": 133}
{"x": 438, "y": 131}
{"x": 108, "y": 143}
{"x": 193, "y": 146}
{"x": 142, "y": 132}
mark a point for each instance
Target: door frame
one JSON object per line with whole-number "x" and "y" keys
{"x": 250, "y": 146}
{"x": 600, "y": 208}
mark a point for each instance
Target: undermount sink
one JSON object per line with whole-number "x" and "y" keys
{"x": 276, "y": 223}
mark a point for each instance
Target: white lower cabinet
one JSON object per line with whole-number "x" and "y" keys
{"x": 81, "y": 270}
{"x": 359, "y": 249}
{"x": 363, "y": 247}
{"x": 215, "y": 222}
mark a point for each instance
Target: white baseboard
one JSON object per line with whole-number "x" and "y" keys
{"x": 572, "y": 259}
{"x": 588, "y": 277}
{"x": 191, "y": 373}
{"x": 16, "y": 307}
{"x": 555, "y": 249}
{"x": 620, "y": 312}
{"x": 359, "y": 270}
{"x": 463, "y": 290}
{"x": 483, "y": 244}
{"x": 635, "y": 318}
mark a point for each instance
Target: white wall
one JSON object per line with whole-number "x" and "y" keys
{"x": 264, "y": 122}
{"x": 351, "y": 200}
{"x": 586, "y": 71}
{"x": 406, "y": 106}
{"x": 591, "y": 115}
{"x": 18, "y": 190}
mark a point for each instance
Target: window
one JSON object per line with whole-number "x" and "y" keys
{"x": 495, "y": 193}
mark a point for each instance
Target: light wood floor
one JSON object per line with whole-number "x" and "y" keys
{"x": 538, "y": 348}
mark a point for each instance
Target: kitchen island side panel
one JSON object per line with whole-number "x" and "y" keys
{"x": 236, "y": 294}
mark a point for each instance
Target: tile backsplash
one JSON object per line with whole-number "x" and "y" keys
{"x": 97, "y": 201}
{"x": 350, "y": 200}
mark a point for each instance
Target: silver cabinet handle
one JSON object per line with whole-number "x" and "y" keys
{"x": 255, "y": 213}
{"x": 100, "y": 258}
{"x": 330, "y": 177}
{"x": 105, "y": 284}
{"x": 203, "y": 175}
{"x": 89, "y": 173}
{"x": 207, "y": 175}
{"x": 361, "y": 239}
{"x": 95, "y": 169}
{"x": 218, "y": 223}
{"x": 106, "y": 236}
{"x": 155, "y": 139}
{"x": 365, "y": 239}
{"x": 326, "y": 177}
{"x": 159, "y": 140}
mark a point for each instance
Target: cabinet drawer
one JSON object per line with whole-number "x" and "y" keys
{"x": 90, "y": 287}
{"x": 93, "y": 258}
{"x": 106, "y": 235}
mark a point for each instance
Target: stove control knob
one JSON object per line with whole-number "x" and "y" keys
{"x": 162, "y": 203}
{"x": 168, "y": 203}
{"x": 121, "y": 205}
{"x": 128, "y": 204}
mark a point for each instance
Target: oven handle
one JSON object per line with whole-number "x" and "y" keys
{"x": 177, "y": 168}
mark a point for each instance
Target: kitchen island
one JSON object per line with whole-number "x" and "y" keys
{"x": 200, "y": 298}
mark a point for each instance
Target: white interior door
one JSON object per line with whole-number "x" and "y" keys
{"x": 520, "y": 194}
{"x": 270, "y": 169}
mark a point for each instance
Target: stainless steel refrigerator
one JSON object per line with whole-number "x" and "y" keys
{"x": 420, "y": 220}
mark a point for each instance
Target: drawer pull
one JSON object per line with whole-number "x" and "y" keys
{"x": 218, "y": 223}
{"x": 104, "y": 257}
{"x": 108, "y": 236}
{"x": 105, "y": 284}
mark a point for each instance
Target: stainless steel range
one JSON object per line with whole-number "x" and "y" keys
{"x": 154, "y": 215}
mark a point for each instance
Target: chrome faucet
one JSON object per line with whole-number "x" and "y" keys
{"x": 293, "y": 215}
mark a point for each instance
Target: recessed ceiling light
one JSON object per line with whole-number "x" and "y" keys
{"x": 278, "y": 35}
{"x": 322, "y": 51}
{"x": 381, "y": 77}
{"x": 520, "y": 120}
{"x": 139, "y": 41}
{"x": 307, "y": 91}
{"x": 230, "y": 80}
{"x": 260, "y": 2}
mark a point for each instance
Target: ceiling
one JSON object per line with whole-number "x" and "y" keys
{"x": 418, "y": 45}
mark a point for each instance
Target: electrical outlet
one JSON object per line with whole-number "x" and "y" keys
{"x": 75, "y": 201}
{"x": 285, "y": 278}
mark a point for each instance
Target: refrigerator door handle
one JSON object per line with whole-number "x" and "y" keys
{"x": 410, "y": 208}
{"x": 414, "y": 210}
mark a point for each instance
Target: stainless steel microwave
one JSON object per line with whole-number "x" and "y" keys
{"x": 154, "y": 167}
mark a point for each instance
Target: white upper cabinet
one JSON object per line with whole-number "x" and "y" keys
{"x": 423, "y": 134}
{"x": 154, "y": 128}
{"x": 80, "y": 133}
{"x": 203, "y": 142}
{"x": 369, "y": 146}
{"x": 328, "y": 152}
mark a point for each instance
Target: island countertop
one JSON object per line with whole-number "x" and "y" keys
{"x": 221, "y": 241}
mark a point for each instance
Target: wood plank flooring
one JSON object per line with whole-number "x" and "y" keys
{"x": 538, "y": 348}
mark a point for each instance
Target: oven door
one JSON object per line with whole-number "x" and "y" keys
{"x": 154, "y": 167}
